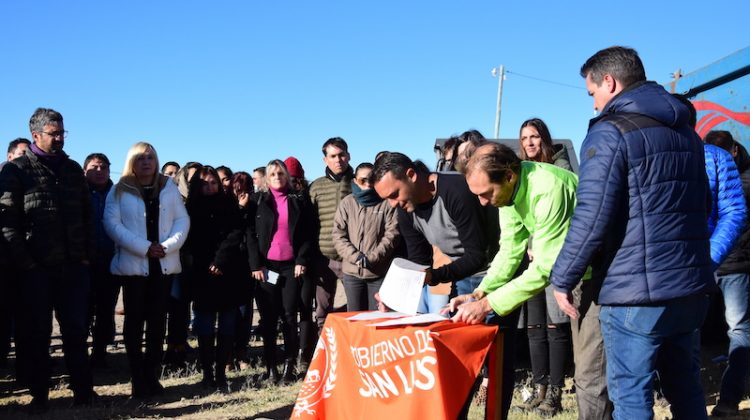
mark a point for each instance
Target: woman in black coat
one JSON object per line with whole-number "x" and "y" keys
{"x": 280, "y": 245}
{"x": 216, "y": 244}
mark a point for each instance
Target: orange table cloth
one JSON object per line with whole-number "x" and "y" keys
{"x": 417, "y": 371}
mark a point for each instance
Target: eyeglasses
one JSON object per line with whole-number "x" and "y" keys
{"x": 365, "y": 180}
{"x": 56, "y": 134}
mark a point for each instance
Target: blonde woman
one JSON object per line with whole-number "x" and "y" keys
{"x": 280, "y": 246}
{"x": 146, "y": 218}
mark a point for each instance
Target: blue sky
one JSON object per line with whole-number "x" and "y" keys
{"x": 242, "y": 82}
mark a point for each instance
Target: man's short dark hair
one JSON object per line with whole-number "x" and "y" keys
{"x": 261, "y": 169}
{"x": 42, "y": 117}
{"x": 721, "y": 138}
{"x": 170, "y": 163}
{"x": 13, "y": 145}
{"x": 335, "y": 142}
{"x": 96, "y": 156}
{"x": 495, "y": 160}
{"x": 397, "y": 164}
{"x": 622, "y": 63}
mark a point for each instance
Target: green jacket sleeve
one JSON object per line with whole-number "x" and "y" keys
{"x": 513, "y": 241}
{"x": 551, "y": 215}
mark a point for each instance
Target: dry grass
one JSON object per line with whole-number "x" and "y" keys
{"x": 185, "y": 398}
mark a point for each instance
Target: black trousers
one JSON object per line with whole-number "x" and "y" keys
{"x": 244, "y": 321}
{"x": 284, "y": 300}
{"x": 105, "y": 288}
{"x": 8, "y": 303}
{"x": 178, "y": 307}
{"x": 66, "y": 289}
{"x": 360, "y": 293}
{"x": 549, "y": 348}
{"x": 145, "y": 300}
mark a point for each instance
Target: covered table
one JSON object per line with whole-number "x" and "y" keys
{"x": 359, "y": 371}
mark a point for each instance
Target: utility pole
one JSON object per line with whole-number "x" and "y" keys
{"x": 498, "y": 72}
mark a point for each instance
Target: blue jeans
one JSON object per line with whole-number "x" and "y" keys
{"x": 204, "y": 321}
{"x": 431, "y": 303}
{"x": 467, "y": 286}
{"x": 736, "y": 291}
{"x": 641, "y": 340}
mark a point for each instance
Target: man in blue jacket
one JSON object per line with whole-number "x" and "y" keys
{"x": 727, "y": 217}
{"x": 733, "y": 278}
{"x": 641, "y": 222}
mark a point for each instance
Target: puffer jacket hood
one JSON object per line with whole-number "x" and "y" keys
{"x": 647, "y": 98}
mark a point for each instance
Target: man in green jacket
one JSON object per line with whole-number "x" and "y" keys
{"x": 326, "y": 193}
{"x": 535, "y": 199}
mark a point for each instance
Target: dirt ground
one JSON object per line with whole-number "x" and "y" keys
{"x": 184, "y": 397}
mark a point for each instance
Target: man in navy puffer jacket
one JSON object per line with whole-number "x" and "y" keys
{"x": 641, "y": 223}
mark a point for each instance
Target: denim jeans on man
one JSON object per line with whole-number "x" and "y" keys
{"x": 736, "y": 291}
{"x": 431, "y": 303}
{"x": 66, "y": 288}
{"x": 639, "y": 340}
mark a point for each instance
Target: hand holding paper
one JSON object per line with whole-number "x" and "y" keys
{"x": 402, "y": 286}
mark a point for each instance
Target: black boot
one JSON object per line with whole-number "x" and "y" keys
{"x": 533, "y": 400}
{"x": 271, "y": 377}
{"x": 151, "y": 375}
{"x": 206, "y": 356}
{"x": 98, "y": 358}
{"x": 138, "y": 388}
{"x": 290, "y": 372}
{"x": 223, "y": 352}
{"x": 552, "y": 403}
{"x": 308, "y": 340}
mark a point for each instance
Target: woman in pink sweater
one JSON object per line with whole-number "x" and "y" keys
{"x": 280, "y": 243}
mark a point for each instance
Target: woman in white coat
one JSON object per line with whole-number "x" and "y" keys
{"x": 146, "y": 218}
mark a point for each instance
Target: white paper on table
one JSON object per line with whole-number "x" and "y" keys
{"x": 402, "y": 286}
{"x": 272, "y": 277}
{"x": 411, "y": 320}
{"x": 370, "y": 315}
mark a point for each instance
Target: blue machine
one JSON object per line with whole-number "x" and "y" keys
{"x": 721, "y": 95}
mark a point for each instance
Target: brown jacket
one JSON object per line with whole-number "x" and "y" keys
{"x": 370, "y": 230}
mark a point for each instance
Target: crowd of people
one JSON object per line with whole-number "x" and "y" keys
{"x": 614, "y": 264}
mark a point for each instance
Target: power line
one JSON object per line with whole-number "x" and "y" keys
{"x": 544, "y": 80}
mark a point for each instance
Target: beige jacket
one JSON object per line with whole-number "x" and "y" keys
{"x": 370, "y": 230}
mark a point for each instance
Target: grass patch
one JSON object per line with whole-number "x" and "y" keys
{"x": 186, "y": 399}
